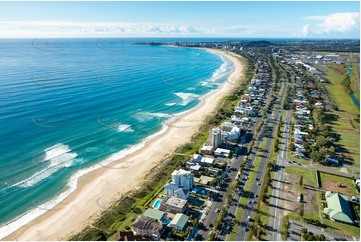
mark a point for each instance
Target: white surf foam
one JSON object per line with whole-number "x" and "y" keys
{"x": 125, "y": 128}
{"x": 186, "y": 97}
{"x": 24, "y": 219}
{"x": 170, "y": 104}
{"x": 56, "y": 157}
{"x": 145, "y": 116}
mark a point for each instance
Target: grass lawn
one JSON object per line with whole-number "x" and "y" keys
{"x": 120, "y": 226}
{"x": 331, "y": 225}
{"x": 342, "y": 228}
{"x": 345, "y": 125}
{"x": 329, "y": 182}
{"x": 299, "y": 160}
{"x": 309, "y": 176}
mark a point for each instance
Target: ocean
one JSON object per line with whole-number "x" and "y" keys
{"x": 69, "y": 106}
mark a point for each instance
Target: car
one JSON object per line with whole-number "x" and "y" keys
{"x": 255, "y": 195}
{"x": 249, "y": 218}
{"x": 217, "y": 210}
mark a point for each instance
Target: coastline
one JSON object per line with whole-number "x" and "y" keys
{"x": 97, "y": 189}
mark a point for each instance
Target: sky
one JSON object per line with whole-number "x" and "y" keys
{"x": 286, "y": 19}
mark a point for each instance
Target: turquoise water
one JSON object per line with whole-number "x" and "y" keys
{"x": 157, "y": 204}
{"x": 354, "y": 99}
{"x": 67, "y": 105}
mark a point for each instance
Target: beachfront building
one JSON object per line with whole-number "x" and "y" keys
{"x": 183, "y": 179}
{"x": 155, "y": 214}
{"x": 172, "y": 204}
{"x": 219, "y": 152}
{"x": 179, "y": 221}
{"x": 174, "y": 190}
{"x": 207, "y": 150}
{"x": 203, "y": 161}
{"x": 129, "y": 236}
{"x": 215, "y": 137}
{"x": 232, "y": 135}
{"x": 147, "y": 227}
{"x": 338, "y": 208}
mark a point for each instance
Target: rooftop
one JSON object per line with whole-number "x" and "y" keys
{"x": 143, "y": 222}
{"x": 205, "y": 179}
{"x": 154, "y": 213}
{"x": 180, "y": 220}
{"x": 338, "y": 207}
{"x": 180, "y": 172}
{"x": 175, "y": 202}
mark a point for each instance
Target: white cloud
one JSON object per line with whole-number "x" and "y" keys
{"x": 306, "y": 30}
{"x": 336, "y": 22}
{"x": 91, "y": 29}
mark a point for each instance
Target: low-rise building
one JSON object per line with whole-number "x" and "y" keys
{"x": 214, "y": 171}
{"x": 222, "y": 152}
{"x": 179, "y": 221}
{"x": 203, "y": 161}
{"x": 173, "y": 190}
{"x": 338, "y": 208}
{"x": 129, "y": 236}
{"x": 207, "y": 150}
{"x": 155, "y": 214}
{"x": 147, "y": 227}
{"x": 332, "y": 161}
{"x": 173, "y": 204}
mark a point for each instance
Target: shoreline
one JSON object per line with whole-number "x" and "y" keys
{"x": 97, "y": 189}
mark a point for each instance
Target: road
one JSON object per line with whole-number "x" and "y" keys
{"x": 241, "y": 234}
{"x": 249, "y": 209}
{"x": 275, "y": 221}
{"x": 228, "y": 220}
{"x": 227, "y": 224}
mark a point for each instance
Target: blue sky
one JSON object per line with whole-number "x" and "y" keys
{"x": 181, "y": 19}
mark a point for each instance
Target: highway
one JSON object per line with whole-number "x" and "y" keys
{"x": 227, "y": 224}
{"x": 249, "y": 210}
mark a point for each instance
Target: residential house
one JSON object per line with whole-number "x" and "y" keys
{"x": 222, "y": 152}
{"x": 147, "y": 227}
{"x": 207, "y": 150}
{"x": 155, "y": 214}
{"x": 174, "y": 190}
{"x": 332, "y": 161}
{"x": 179, "y": 221}
{"x": 338, "y": 208}
{"x": 174, "y": 204}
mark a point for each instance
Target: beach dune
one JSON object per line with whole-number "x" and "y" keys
{"x": 96, "y": 190}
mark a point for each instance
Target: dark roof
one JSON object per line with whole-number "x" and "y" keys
{"x": 129, "y": 236}
{"x": 143, "y": 222}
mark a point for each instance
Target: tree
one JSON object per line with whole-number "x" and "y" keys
{"x": 316, "y": 156}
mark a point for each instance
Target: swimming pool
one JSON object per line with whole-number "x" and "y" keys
{"x": 157, "y": 203}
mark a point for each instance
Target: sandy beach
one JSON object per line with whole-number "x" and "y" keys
{"x": 96, "y": 190}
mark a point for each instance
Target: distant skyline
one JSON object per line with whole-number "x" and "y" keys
{"x": 180, "y": 19}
